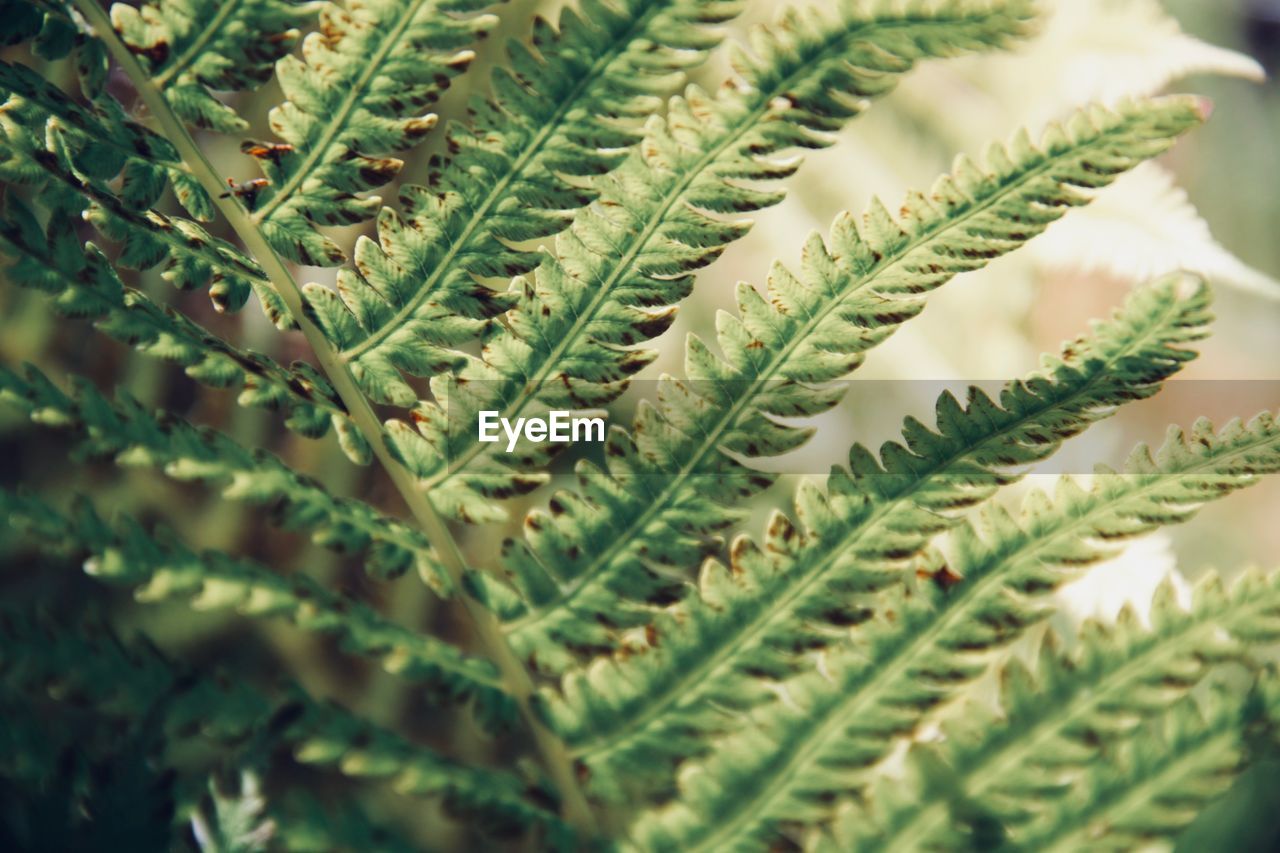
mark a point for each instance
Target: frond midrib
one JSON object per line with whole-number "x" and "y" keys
{"x": 496, "y": 194}
{"x": 951, "y": 612}
{"x": 740, "y": 403}
{"x": 725, "y": 655}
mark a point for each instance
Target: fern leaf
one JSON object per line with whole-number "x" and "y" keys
{"x": 354, "y": 96}
{"x": 1158, "y": 784}
{"x": 133, "y": 436}
{"x": 160, "y": 568}
{"x": 755, "y": 621}
{"x": 128, "y": 681}
{"x": 192, "y": 258}
{"x": 83, "y": 284}
{"x": 100, "y": 143}
{"x": 819, "y": 744}
{"x": 361, "y": 750}
{"x": 192, "y": 48}
{"x": 675, "y": 472}
{"x": 629, "y": 257}
{"x": 569, "y": 109}
{"x": 1056, "y": 725}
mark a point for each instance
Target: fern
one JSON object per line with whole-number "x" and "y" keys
{"x": 37, "y": 152}
{"x": 818, "y": 744}
{"x": 630, "y": 256}
{"x": 610, "y": 672}
{"x": 1099, "y": 695}
{"x": 83, "y": 284}
{"x": 229, "y": 713}
{"x": 562, "y": 111}
{"x": 194, "y": 48}
{"x": 1186, "y": 760}
{"x": 823, "y": 324}
{"x": 354, "y": 96}
{"x": 756, "y": 619}
{"x": 136, "y": 437}
{"x": 161, "y": 567}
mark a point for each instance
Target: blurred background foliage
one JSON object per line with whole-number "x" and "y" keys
{"x": 988, "y": 325}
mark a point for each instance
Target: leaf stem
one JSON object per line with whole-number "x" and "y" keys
{"x": 516, "y": 678}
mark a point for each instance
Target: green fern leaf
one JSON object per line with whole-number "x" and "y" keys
{"x": 101, "y": 143}
{"x": 1056, "y": 725}
{"x": 192, "y": 48}
{"x": 577, "y": 573}
{"x": 133, "y": 436}
{"x": 819, "y": 744}
{"x": 354, "y": 96}
{"x": 1159, "y": 783}
{"x": 191, "y": 256}
{"x": 127, "y": 681}
{"x": 160, "y": 567}
{"x": 630, "y": 256}
{"x": 83, "y": 284}
{"x": 755, "y": 621}
{"x": 568, "y": 110}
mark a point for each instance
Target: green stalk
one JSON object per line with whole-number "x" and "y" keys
{"x": 514, "y": 675}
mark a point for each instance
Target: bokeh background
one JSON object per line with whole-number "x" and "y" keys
{"x": 1213, "y": 205}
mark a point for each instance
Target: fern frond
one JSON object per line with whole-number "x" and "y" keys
{"x": 354, "y": 96}
{"x": 578, "y": 573}
{"x": 160, "y": 568}
{"x": 818, "y": 745}
{"x": 192, "y": 48}
{"x": 568, "y": 109}
{"x": 362, "y": 750}
{"x": 83, "y": 284}
{"x": 100, "y": 143}
{"x": 134, "y": 436}
{"x": 131, "y": 681}
{"x": 192, "y": 258}
{"x": 756, "y": 620}
{"x": 628, "y": 258}
{"x": 1057, "y": 723}
{"x": 1158, "y": 784}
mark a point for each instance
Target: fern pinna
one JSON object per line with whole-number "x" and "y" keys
{"x": 637, "y": 666}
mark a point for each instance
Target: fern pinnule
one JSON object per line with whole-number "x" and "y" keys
{"x": 134, "y": 436}
{"x": 576, "y": 571}
{"x": 159, "y": 567}
{"x": 800, "y": 754}
{"x": 194, "y": 48}
{"x": 1066, "y": 716}
{"x": 628, "y": 258}
{"x": 568, "y": 109}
